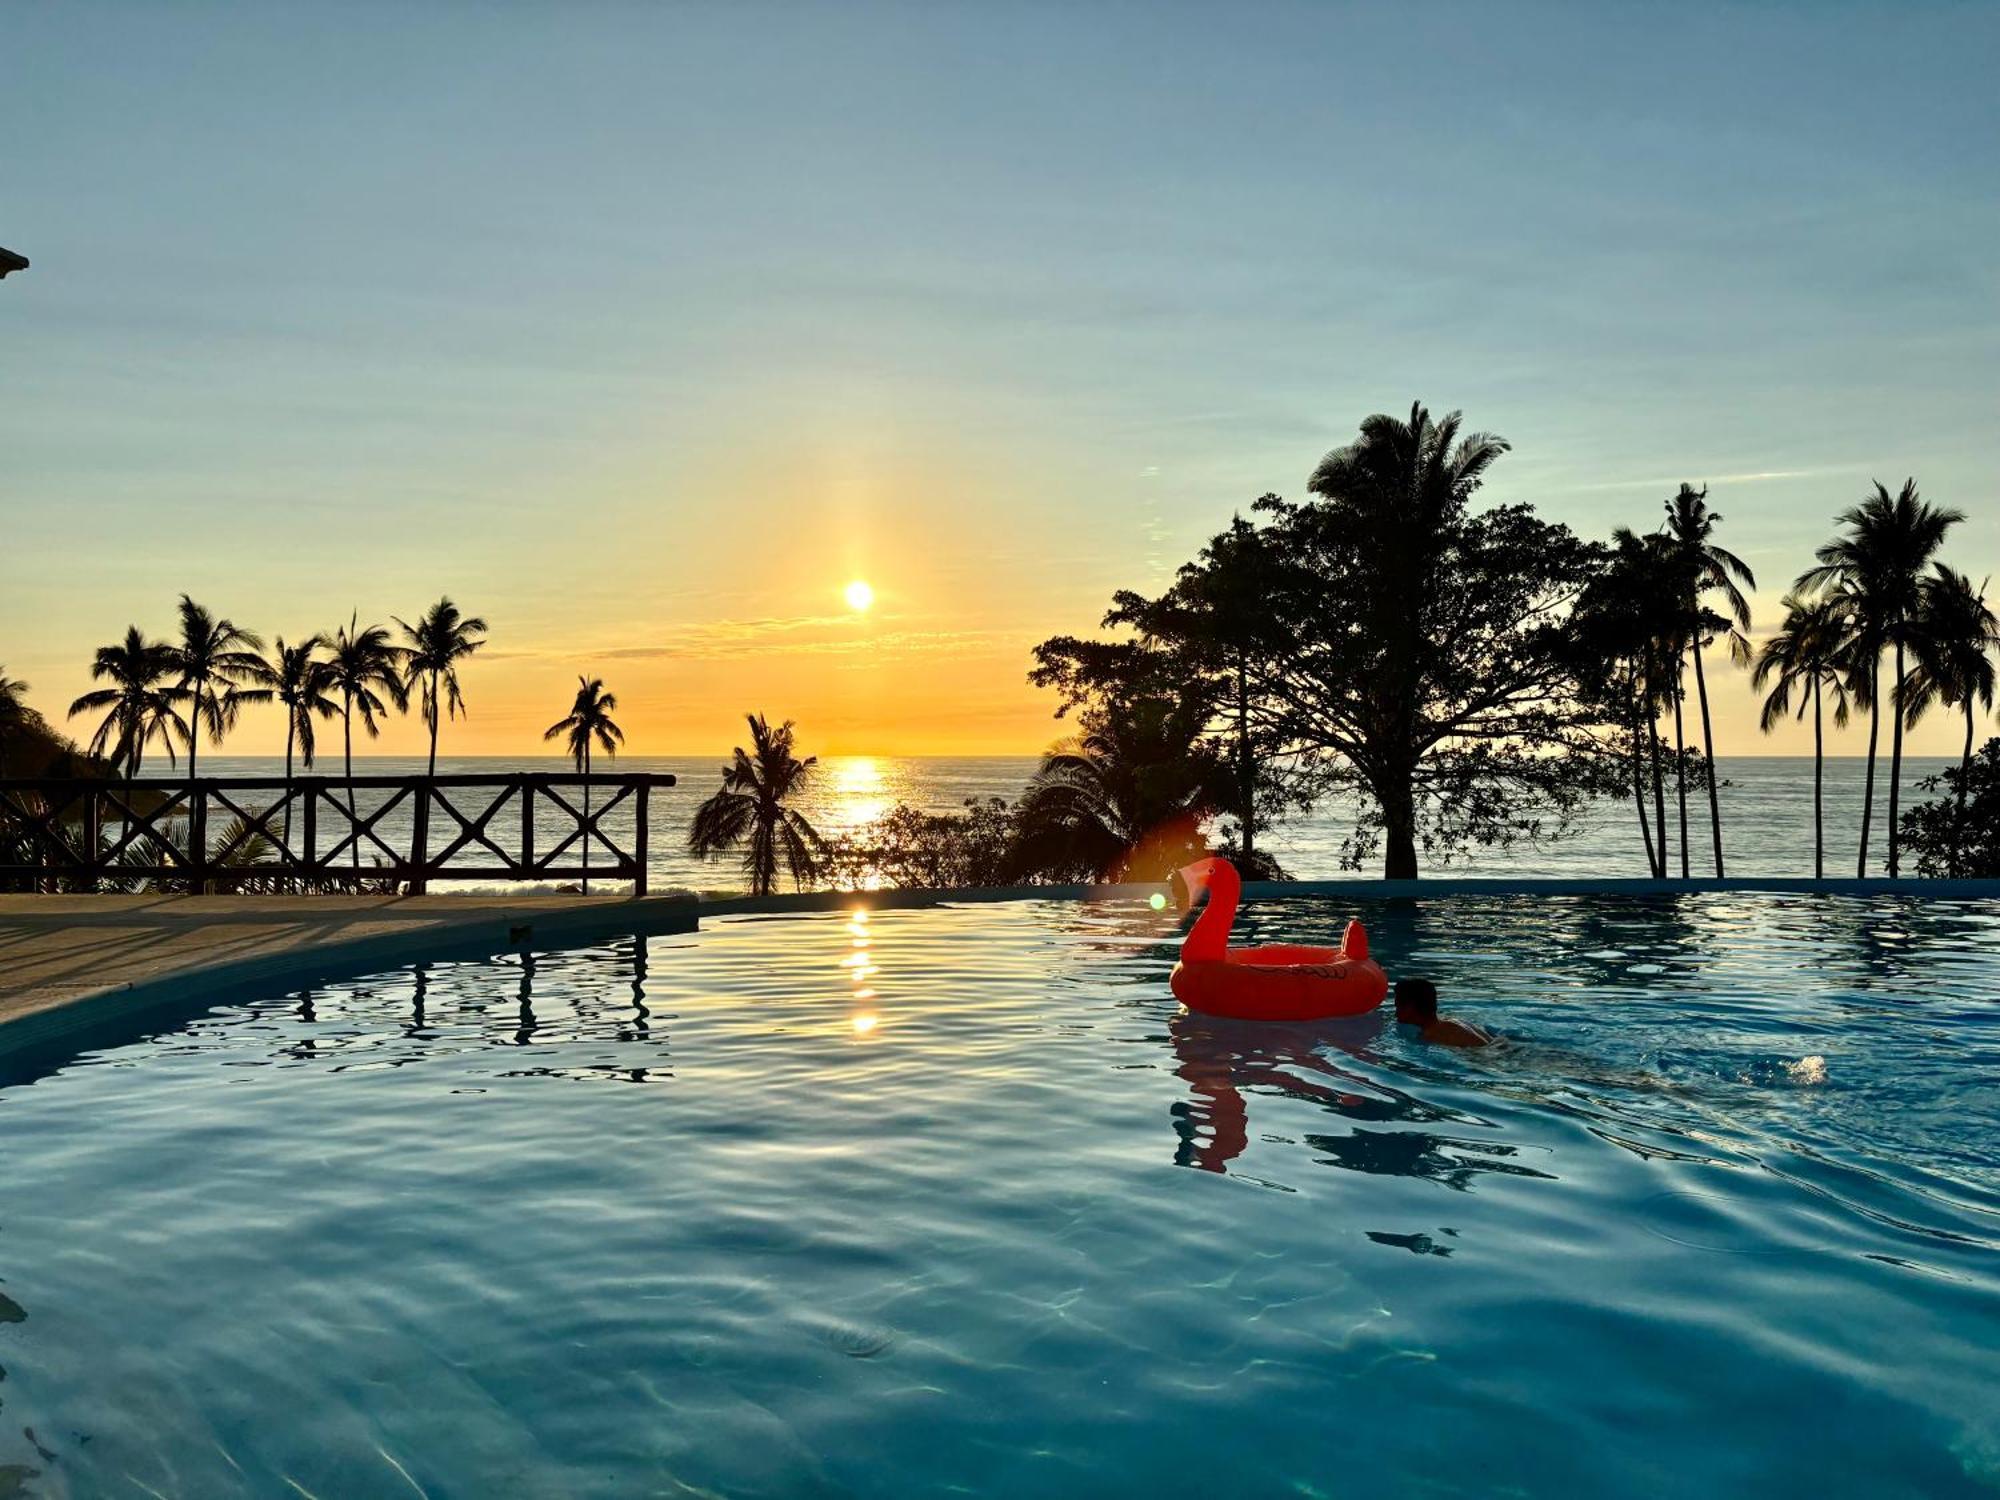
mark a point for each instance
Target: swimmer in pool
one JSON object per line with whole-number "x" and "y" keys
{"x": 1417, "y": 1005}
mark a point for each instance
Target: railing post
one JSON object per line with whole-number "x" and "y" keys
{"x": 420, "y": 837}
{"x": 93, "y": 841}
{"x": 198, "y": 835}
{"x": 527, "y": 828}
{"x": 639, "y": 820}
{"x": 309, "y": 837}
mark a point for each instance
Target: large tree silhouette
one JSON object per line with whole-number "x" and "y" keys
{"x": 1426, "y": 643}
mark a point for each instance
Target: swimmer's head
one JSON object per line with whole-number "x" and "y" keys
{"x": 1416, "y": 1001}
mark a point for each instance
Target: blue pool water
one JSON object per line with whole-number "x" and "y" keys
{"x": 957, "y": 1202}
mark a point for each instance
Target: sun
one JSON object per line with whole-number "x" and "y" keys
{"x": 859, "y": 595}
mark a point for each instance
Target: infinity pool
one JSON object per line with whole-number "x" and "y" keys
{"x": 957, "y": 1202}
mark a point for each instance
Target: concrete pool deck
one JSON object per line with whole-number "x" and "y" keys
{"x": 68, "y": 963}
{"x": 71, "y": 964}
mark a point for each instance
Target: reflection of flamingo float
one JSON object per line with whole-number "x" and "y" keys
{"x": 1281, "y": 982}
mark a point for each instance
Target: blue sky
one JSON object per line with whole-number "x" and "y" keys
{"x": 641, "y": 329}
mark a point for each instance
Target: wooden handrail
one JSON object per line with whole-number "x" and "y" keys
{"x": 60, "y": 832}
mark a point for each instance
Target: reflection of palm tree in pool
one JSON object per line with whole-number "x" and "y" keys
{"x": 527, "y": 1026}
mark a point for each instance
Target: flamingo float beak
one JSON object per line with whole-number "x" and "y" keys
{"x": 1189, "y": 882}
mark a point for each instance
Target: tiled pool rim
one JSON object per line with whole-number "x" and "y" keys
{"x": 541, "y": 923}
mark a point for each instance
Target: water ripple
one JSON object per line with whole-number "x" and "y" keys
{"x": 943, "y": 1201}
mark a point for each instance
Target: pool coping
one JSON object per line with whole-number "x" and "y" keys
{"x": 452, "y": 928}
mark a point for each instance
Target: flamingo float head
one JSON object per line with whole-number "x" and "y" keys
{"x": 1190, "y": 881}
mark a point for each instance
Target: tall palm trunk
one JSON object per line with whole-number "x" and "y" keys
{"x": 1964, "y": 775}
{"x": 347, "y": 752}
{"x": 1659, "y": 796}
{"x": 434, "y": 723}
{"x": 1868, "y": 787}
{"x": 1819, "y": 761}
{"x": 1708, "y": 749}
{"x": 586, "y": 817}
{"x": 1680, "y": 768}
{"x": 1895, "y": 760}
{"x": 1246, "y": 774}
{"x": 291, "y": 733}
{"x": 1639, "y": 794}
{"x": 197, "y": 825}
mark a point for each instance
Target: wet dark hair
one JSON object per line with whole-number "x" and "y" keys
{"x": 1416, "y": 998}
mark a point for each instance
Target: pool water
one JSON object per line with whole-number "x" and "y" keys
{"x": 957, "y": 1201}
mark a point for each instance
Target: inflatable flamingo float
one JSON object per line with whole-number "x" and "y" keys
{"x": 1281, "y": 982}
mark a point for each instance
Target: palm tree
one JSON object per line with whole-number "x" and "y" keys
{"x": 138, "y": 708}
{"x": 1953, "y": 643}
{"x": 297, "y": 677}
{"x": 139, "y": 704}
{"x": 1709, "y": 568}
{"x": 436, "y": 644}
{"x": 588, "y": 722}
{"x": 1810, "y": 651}
{"x": 15, "y": 715}
{"x": 1125, "y": 799}
{"x": 366, "y": 669}
{"x": 1881, "y": 560}
{"x": 213, "y": 660}
{"x": 749, "y": 811}
{"x": 1626, "y": 628}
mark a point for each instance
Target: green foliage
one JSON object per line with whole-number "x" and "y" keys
{"x": 1958, "y": 833}
{"x": 1123, "y": 800}
{"x": 907, "y": 847}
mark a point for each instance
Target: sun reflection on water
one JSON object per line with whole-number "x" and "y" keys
{"x": 860, "y": 790}
{"x": 864, "y": 1019}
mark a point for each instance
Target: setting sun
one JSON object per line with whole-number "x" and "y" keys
{"x": 859, "y": 595}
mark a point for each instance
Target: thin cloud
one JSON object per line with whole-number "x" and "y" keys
{"x": 1758, "y": 476}
{"x": 823, "y": 635}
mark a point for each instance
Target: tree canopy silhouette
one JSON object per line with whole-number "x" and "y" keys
{"x": 16, "y": 718}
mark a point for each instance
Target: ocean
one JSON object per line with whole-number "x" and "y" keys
{"x": 1766, "y": 813}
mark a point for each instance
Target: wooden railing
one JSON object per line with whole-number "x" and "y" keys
{"x": 215, "y": 833}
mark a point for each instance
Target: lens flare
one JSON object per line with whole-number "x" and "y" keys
{"x": 1157, "y": 901}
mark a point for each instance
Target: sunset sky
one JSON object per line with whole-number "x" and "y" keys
{"x": 642, "y": 330}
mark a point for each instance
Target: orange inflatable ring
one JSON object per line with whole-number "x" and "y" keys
{"x": 1282, "y": 982}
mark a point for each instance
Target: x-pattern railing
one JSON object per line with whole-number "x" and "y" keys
{"x": 214, "y": 832}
